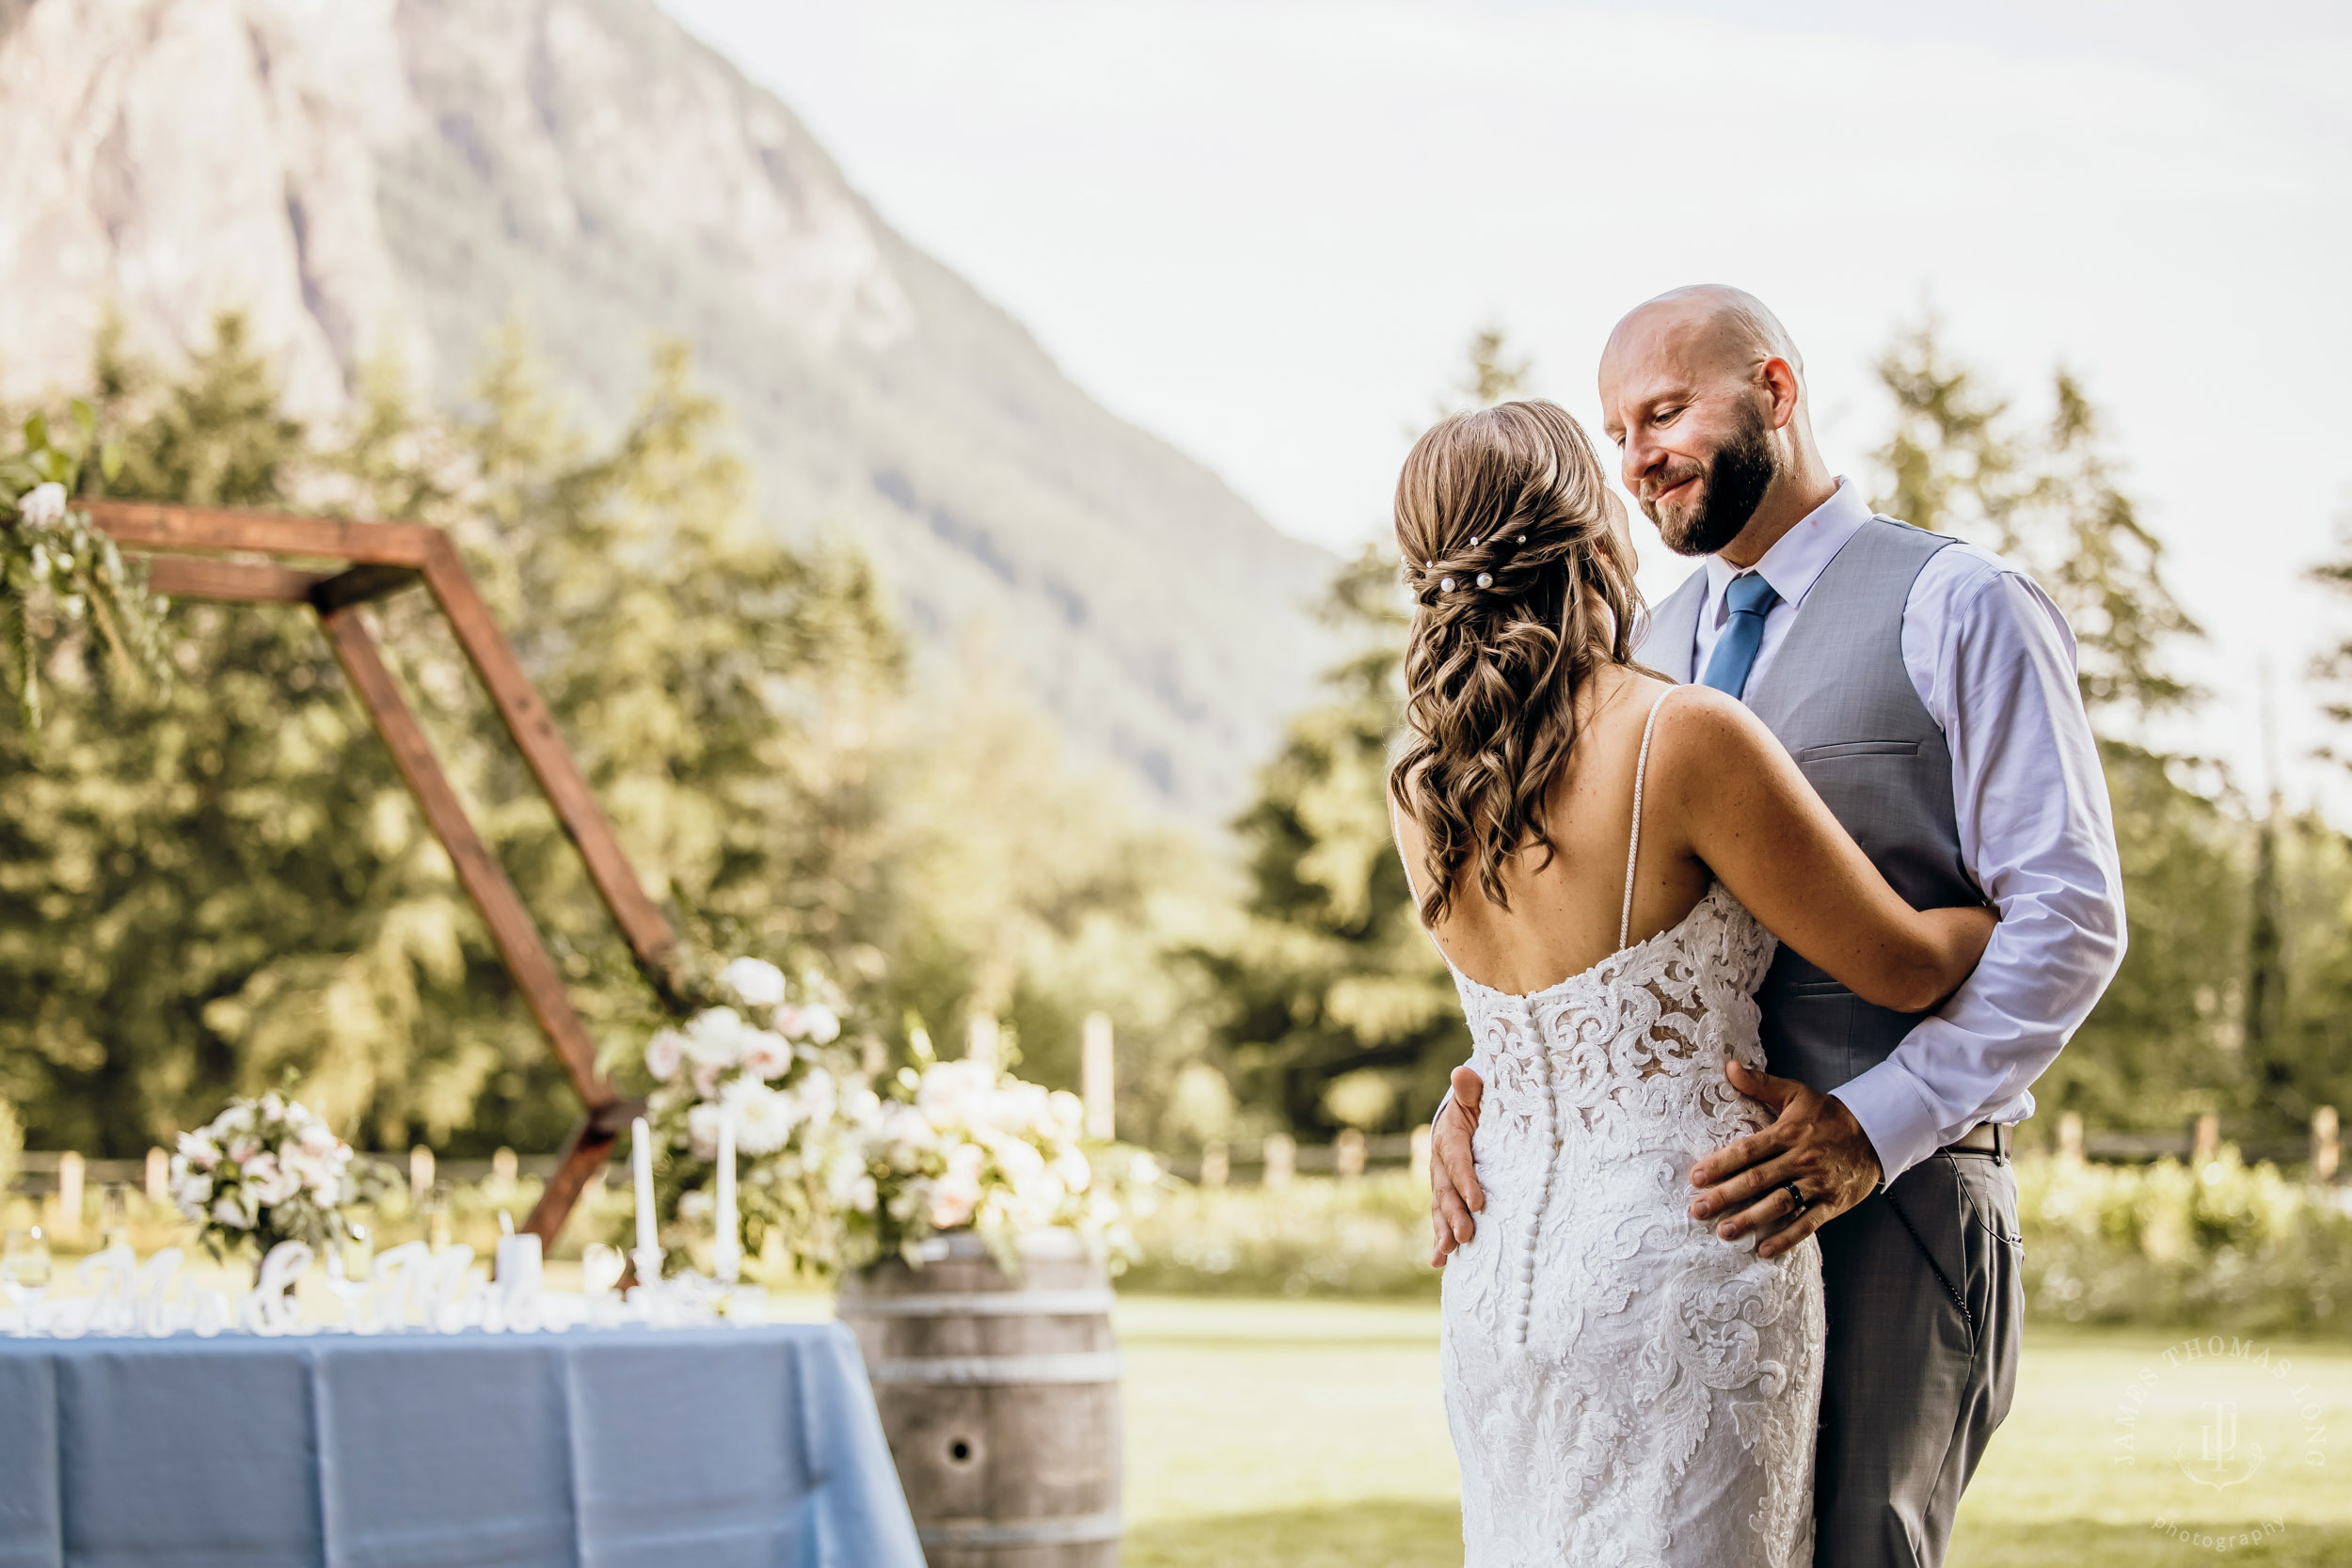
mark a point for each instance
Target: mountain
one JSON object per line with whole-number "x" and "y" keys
{"x": 364, "y": 177}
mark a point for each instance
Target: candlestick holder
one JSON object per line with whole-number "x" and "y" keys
{"x": 648, "y": 1262}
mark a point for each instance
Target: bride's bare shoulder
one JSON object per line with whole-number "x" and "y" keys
{"x": 1700, "y": 728}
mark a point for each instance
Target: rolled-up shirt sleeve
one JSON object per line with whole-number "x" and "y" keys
{"x": 1996, "y": 671}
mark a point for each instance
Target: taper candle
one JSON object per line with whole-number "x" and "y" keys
{"x": 641, "y": 1164}
{"x": 727, "y": 1254}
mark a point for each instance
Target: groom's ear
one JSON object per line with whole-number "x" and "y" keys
{"x": 1783, "y": 388}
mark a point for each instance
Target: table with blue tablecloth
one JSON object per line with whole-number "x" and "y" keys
{"x": 720, "y": 1447}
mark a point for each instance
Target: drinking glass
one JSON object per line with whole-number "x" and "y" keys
{"x": 351, "y": 1269}
{"x": 600, "y": 1268}
{"x": 435, "y": 1210}
{"x": 24, "y": 1269}
{"x": 114, "y": 1216}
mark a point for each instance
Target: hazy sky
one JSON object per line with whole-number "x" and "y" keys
{"x": 1265, "y": 229}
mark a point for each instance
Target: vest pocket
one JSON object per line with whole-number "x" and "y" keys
{"x": 1860, "y": 748}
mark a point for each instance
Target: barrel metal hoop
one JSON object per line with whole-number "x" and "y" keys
{"x": 982, "y": 1304}
{"x": 1075, "y": 1366}
{"x": 1072, "y": 1531}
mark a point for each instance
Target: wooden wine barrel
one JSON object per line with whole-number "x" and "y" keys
{"x": 1000, "y": 1399}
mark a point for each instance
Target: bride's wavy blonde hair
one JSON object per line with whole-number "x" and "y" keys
{"x": 1522, "y": 586}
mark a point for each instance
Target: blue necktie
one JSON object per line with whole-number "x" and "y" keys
{"x": 1751, "y": 599}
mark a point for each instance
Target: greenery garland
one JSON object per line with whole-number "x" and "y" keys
{"x": 60, "y": 575}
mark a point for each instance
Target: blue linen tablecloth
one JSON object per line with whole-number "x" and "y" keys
{"x": 722, "y": 1448}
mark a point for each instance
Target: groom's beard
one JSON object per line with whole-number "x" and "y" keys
{"x": 1742, "y": 468}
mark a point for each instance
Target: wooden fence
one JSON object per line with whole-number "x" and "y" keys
{"x": 1269, "y": 1162}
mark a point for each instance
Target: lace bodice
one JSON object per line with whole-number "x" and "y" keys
{"x": 1623, "y": 1386}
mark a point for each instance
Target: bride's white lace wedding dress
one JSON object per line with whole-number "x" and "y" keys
{"x": 1624, "y": 1387}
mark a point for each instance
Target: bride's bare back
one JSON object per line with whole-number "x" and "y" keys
{"x": 1723, "y": 801}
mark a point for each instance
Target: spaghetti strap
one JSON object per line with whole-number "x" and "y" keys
{"x": 1633, "y": 849}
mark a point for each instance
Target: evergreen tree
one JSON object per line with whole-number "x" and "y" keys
{"x": 1335, "y": 1008}
{"x": 198, "y": 898}
{"x": 238, "y": 882}
{"x": 1331, "y": 976}
{"x": 2049, "y": 500}
{"x": 2207, "y": 1013}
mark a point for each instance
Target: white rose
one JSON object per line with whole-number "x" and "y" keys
{"x": 664, "y": 1053}
{"x": 952, "y": 1093}
{"x": 1040, "y": 1193}
{"x": 819, "y": 1096}
{"x": 1065, "y": 1118}
{"x": 270, "y": 1182}
{"x": 821, "y": 1024}
{"x": 702, "y": 1132}
{"x": 190, "y": 1191}
{"x": 715, "y": 1037}
{"x": 1073, "y": 1170}
{"x": 764, "y": 1119}
{"x": 42, "y": 506}
{"x": 197, "y": 1151}
{"x": 757, "y": 982}
{"x": 235, "y": 1210}
{"x": 904, "y": 1125}
{"x": 1018, "y": 1161}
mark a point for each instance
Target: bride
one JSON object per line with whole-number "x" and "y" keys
{"x": 1623, "y": 1387}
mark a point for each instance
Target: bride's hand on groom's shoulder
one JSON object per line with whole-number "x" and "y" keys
{"x": 1813, "y": 1144}
{"x": 1453, "y": 1191}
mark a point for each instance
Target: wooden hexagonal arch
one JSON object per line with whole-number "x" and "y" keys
{"x": 344, "y": 566}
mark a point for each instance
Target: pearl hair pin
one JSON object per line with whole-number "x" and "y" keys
{"x": 1445, "y": 585}
{"x": 1486, "y": 580}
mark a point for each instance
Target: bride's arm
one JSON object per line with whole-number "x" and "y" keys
{"x": 1735, "y": 798}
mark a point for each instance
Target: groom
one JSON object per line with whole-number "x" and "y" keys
{"x": 1927, "y": 691}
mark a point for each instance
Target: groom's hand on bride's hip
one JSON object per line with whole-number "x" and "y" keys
{"x": 1453, "y": 1191}
{"x": 1813, "y": 1142}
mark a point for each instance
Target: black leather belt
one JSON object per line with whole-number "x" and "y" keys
{"x": 1986, "y": 1137}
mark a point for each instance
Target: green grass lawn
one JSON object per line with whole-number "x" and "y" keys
{"x": 1311, "y": 1435}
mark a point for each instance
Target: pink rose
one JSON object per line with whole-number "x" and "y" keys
{"x": 767, "y": 1055}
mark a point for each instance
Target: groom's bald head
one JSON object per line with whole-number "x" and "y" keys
{"x": 1703, "y": 390}
{"x": 1727, "y": 328}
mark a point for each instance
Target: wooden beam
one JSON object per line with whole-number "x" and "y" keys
{"x": 585, "y": 1153}
{"x": 384, "y": 558}
{"x": 484, "y": 879}
{"x": 641, "y": 920}
{"x": 188, "y": 577}
{"x": 148, "y": 526}
{"x": 360, "y": 584}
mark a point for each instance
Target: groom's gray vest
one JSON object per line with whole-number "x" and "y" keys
{"x": 1838, "y": 697}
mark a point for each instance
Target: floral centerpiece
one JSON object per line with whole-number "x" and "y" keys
{"x": 834, "y": 1172}
{"x": 267, "y": 1171}
{"x": 775, "y": 1060}
{"x": 964, "y": 1145}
